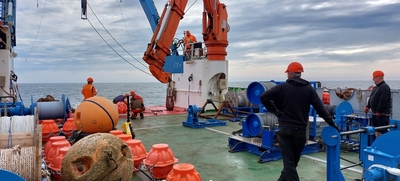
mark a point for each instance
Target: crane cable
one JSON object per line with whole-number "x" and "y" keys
{"x": 190, "y": 6}
{"x": 37, "y": 32}
{"x": 126, "y": 28}
{"x": 114, "y": 40}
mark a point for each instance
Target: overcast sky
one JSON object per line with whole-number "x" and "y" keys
{"x": 334, "y": 40}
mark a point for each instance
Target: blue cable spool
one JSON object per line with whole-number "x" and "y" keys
{"x": 343, "y": 108}
{"x": 7, "y": 175}
{"x": 256, "y": 121}
{"x": 255, "y": 89}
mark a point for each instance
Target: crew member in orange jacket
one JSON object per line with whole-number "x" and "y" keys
{"x": 89, "y": 90}
{"x": 137, "y": 105}
{"x": 189, "y": 38}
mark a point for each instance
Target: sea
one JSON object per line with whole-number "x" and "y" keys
{"x": 153, "y": 93}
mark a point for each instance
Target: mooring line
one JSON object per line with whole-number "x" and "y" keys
{"x": 158, "y": 127}
{"x": 306, "y": 156}
{"x": 218, "y": 131}
{"x": 324, "y": 161}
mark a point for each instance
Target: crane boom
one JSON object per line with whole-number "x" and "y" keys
{"x": 151, "y": 12}
{"x": 215, "y": 29}
{"x": 158, "y": 49}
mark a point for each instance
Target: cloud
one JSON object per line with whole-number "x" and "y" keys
{"x": 334, "y": 40}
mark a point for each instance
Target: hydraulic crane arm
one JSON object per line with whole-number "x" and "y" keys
{"x": 151, "y": 13}
{"x": 159, "y": 47}
{"x": 215, "y": 29}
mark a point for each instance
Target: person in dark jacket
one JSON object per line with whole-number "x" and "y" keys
{"x": 119, "y": 98}
{"x": 380, "y": 102}
{"x": 290, "y": 102}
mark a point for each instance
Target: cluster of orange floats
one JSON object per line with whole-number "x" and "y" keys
{"x": 159, "y": 161}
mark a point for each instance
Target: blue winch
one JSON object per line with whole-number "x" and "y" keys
{"x": 381, "y": 160}
{"x": 45, "y": 110}
{"x": 193, "y": 120}
{"x": 259, "y": 130}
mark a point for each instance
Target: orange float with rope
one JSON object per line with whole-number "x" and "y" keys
{"x": 183, "y": 172}
{"x": 160, "y": 160}
{"x": 49, "y": 129}
{"x": 138, "y": 152}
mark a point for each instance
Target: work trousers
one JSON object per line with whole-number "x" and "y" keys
{"x": 378, "y": 121}
{"x": 291, "y": 143}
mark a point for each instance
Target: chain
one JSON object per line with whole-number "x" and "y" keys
{"x": 51, "y": 134}
{"x": 74, "y": 136}
{"x": 67, "y": 132}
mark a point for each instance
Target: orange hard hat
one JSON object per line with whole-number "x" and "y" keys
{"x": 132, "y": 92}
{"x": 377, "y": 73}
{"x": 90, "y": 79}
{"x": 295, "y": 67}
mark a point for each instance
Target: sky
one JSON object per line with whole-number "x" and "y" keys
{"x": 333, "y": 40}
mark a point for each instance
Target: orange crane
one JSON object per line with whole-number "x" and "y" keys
{"x": 215, "y": 35}
{"x": 158, "y": 53}
{"x": 162, "y": 57}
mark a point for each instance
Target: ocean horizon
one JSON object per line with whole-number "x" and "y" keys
{"x": 153, "y": 93}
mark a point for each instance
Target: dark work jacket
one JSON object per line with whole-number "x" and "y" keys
{"x": 381, "y": 99}
{"x": 119, "y": 98}
{"x": 293, "y": 98}
{"x": 135, "y": 104}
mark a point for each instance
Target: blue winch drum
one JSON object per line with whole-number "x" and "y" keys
{"x": 256, "y": 122}
{"x": 50, "y": 110}
{"x": 7, "y": 175}
{"x": 255, "y": 89}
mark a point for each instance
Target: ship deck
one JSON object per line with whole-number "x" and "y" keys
{"x": 208, "y": 151}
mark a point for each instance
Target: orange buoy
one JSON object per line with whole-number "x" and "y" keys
{"x": 116, "y": 132}
{"x": 138, "y": 152}
{"x": 96, "y": 115}
{"x": 122, "y": 107}
{"x": 55, "y": 148}
{"x": 49, "y": 129}
{"x": 183, "y": 172}
{"x": 69, "y": 127}
{"x": 55, "y": 164}
{"x": 161, "y": 159}
{"x": 53, "y": 139}
{"x": 124, "y": 137}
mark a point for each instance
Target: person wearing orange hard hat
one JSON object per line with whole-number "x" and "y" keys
{"x": 189, "y": 40}
{"x": 380, "y": 102}
{"x": 89, "y": 90}
{"x": 290, "y": 102}
{"x": 326, "y": 96}
{"x": 137, "y": 105}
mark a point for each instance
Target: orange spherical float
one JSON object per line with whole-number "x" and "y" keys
{"x": 96, "y": 115}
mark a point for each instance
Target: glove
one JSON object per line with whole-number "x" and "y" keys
{"x": 366, "y": 109}
{"x": 278, "y": 113}
{"x": 331, "y": 123}
{"x": 378, "y": 114}
{"x": 336, "y": 127}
